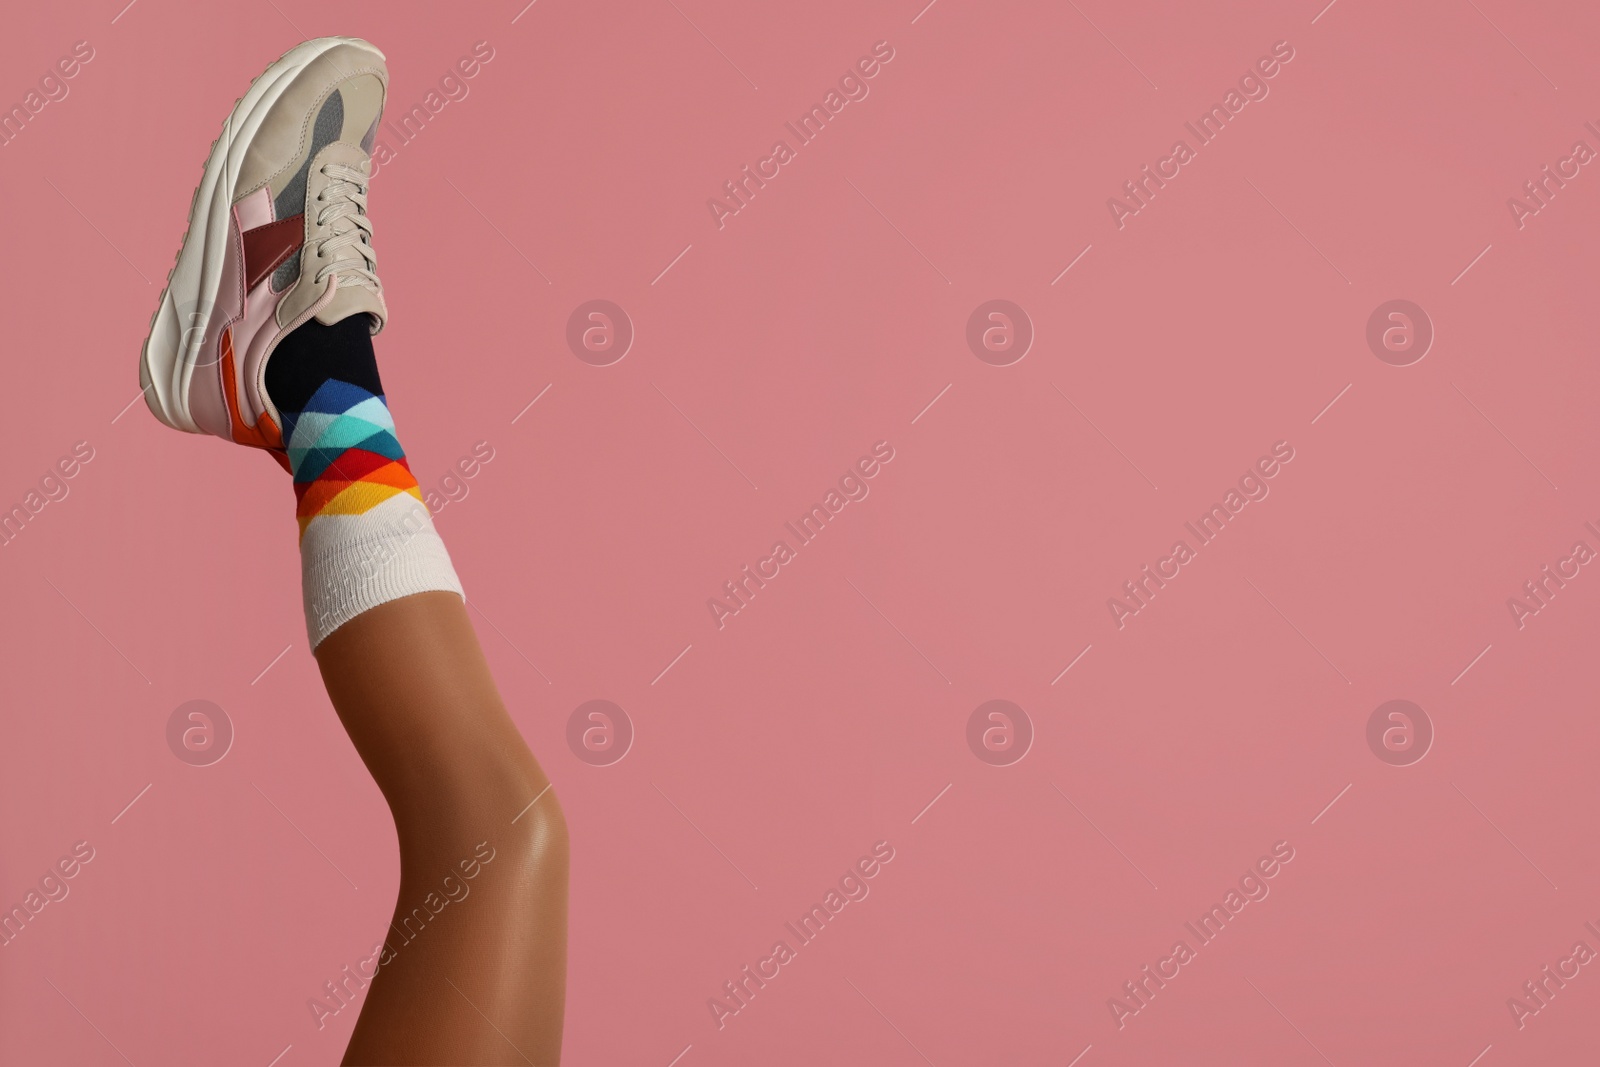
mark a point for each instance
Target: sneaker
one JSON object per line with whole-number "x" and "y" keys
{"x": 278, "y": 234}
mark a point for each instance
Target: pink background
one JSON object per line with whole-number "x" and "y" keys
{"x": 824, "y": 317}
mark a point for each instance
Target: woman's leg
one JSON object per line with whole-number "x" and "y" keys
{"x": 263, "y": 337}
{"x": 482, "y": 981}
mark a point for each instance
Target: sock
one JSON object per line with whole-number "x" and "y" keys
{"x": 365, "y": 535}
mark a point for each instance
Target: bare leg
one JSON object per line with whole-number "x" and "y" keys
{"x": 279, "y": 255}
{"x": 482, "y": 980}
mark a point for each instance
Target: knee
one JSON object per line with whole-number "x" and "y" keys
{"x": 537, "y": 837}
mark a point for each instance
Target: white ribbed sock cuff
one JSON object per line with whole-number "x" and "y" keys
{"x": 352, "y": 563}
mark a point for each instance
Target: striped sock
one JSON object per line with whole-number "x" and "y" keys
{"x": 365, "y": 535}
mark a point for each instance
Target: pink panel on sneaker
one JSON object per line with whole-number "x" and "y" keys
{"x": 254, "y": 210}
{"x": 253, "y": 338}
{"x": 207, "y": 403}
{"x": 257, "y": 329}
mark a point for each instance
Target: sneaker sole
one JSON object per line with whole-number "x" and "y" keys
{"x": 173, "y": 350}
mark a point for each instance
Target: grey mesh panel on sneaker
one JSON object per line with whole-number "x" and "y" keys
{"x": 302, "y": 120}
{"x": 330, "y": 125}
{"x": 292, "y": 200}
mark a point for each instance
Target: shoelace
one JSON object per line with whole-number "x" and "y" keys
{"x": 346, "y": 199}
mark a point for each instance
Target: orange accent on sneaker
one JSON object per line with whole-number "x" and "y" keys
{"x": 265, "y": 433}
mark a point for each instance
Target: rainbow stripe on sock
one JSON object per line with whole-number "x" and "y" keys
{"x": 343, "y": 453}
